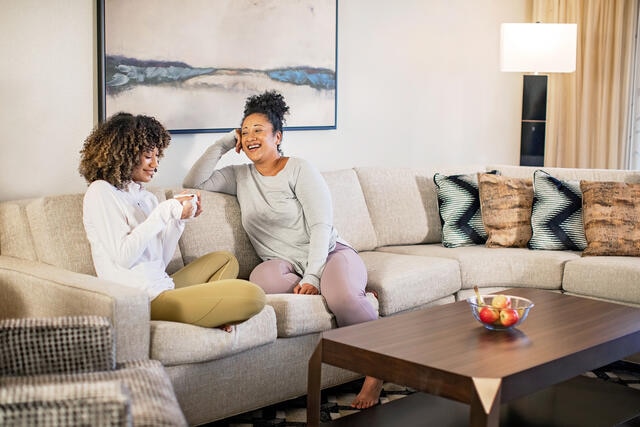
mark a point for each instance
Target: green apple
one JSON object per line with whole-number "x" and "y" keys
{"x": 501, "y": 301}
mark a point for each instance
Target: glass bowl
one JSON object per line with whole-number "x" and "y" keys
{"x": 500, "y": 312}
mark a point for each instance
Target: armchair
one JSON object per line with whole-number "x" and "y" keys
{"x": 63, "y": 371}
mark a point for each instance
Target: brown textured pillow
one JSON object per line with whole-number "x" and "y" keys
{"x": 506, "y": 204}
{"x": 611, "y": 215}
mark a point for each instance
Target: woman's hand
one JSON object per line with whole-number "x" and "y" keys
{"x": 186, "y": 201}
{"x": 305, "y": 289}
{"x": 238, "y": 141}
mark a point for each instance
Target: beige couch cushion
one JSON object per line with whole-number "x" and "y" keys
{"x": 15, "y": 235}
{"x": 301, "y": 314}
{"x": 403, "y": 205}
{"x": 350, "y": 215}
{"x": 404, "y": 282}
{"x": 304, "y": 314}
{"x": 58, "y": 232}
{"x": 613, "y": 278}
{"x": 219, "y": 227}
{"x": 499, "y": 267}
{"x": 175, "y": 343}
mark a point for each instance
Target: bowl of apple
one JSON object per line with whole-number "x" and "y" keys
{"x": 499, "y": 312}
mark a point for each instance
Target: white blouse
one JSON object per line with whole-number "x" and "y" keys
{"x": 132, "y": 236}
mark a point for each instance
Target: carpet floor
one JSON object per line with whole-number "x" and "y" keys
{"x": 336, "y": 401}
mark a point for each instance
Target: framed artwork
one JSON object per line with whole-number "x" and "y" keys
{"x": 192, "y": 63}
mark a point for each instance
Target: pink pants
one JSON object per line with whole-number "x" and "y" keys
{"x": 342, "y": 284}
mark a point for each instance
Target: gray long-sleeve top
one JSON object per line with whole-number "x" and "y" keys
{"x": 287, "y": 216}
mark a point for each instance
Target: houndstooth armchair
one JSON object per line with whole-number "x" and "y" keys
{"x": 62, "y": 372}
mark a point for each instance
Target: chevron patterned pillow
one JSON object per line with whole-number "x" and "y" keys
{"x": 459, "y": 207}
{"x": 556, "y": 218}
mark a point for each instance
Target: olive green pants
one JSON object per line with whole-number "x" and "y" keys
{"x": 208, "y": 294}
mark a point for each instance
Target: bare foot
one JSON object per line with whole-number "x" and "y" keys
{"x": 226, "y": 328}
{"x": 369, "y": 394}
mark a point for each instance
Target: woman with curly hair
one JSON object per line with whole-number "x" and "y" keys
{"x": 287, "y": 214}
{"x": 133, "y": 236}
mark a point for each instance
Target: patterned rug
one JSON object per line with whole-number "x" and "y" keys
{"x": 336, "y": 401}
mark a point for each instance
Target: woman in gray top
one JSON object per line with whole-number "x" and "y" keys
{"x": 288, "y": 216}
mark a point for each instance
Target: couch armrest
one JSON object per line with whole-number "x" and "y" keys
{"x": 35, "y": 289}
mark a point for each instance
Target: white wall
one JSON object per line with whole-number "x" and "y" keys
{"x": 418, "y": 86}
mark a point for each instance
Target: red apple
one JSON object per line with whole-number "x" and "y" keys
{"x": 508, "y": 316}
{"x": 501, "y": 301}
{"x": 488, "y": 314}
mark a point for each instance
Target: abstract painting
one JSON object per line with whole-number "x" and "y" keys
{"x": 192, "y": 63}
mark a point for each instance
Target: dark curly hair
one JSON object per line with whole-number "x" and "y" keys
{"x": 272, "y": 105}
{"x": 113, "y": 148}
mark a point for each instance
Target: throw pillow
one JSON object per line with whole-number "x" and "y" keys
{"x": 556, "y": 218}
{"x": 611, "y": 215}
{"x": 459, "y": 208}
{"x": 505, "y": 204}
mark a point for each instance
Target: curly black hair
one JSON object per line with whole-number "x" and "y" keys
{"x": 113, "y": 148}
{"x": 270, "y": 103}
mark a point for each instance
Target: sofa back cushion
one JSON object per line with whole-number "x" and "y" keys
{"x": 58, "y": 232}
{"x": 15, "y": 235}
{"x": 55, "y": 231}
{"x": 350, "y": 214}
{"x": 219, "y": 227}
{"x": 403, "y": 205}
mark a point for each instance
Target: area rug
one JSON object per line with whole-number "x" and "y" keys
{"x": 336, "y": 401}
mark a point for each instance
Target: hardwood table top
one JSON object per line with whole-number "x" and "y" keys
{"x": 443, "y": 350}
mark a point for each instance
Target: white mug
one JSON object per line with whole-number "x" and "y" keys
{"x": 192, "y": 198}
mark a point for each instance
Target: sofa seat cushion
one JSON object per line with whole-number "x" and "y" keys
{"x": 304, "y": 314}
{"x": 614, "y": 278}
{"x": 499, "y": 267}
{"x": 300, "y": 314}
{"x": 175, "y": 343}
{"x": 404, "y": 282}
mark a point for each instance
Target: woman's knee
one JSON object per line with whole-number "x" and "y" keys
{"x": 274, "y": 276}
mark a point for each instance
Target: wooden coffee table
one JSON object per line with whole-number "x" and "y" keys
{"x": 444, "y": 351}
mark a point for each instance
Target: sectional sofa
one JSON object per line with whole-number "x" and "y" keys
{"x": 390, "y": 215}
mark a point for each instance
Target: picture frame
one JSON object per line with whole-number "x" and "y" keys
{"x": 191, "y": 64}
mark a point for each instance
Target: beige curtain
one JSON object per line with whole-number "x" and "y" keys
{"x": 588, "y": 111}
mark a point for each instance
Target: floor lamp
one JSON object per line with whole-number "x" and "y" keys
{"x": 536, "y": 48}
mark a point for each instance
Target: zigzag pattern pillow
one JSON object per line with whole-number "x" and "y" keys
{"x": 556, "y": 218}
{"x": 459, "y": 207}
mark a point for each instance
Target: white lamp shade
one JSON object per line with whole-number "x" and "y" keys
{"x": 538, "y": 48}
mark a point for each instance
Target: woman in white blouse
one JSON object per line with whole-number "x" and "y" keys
{"x": 133, "y": 236}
